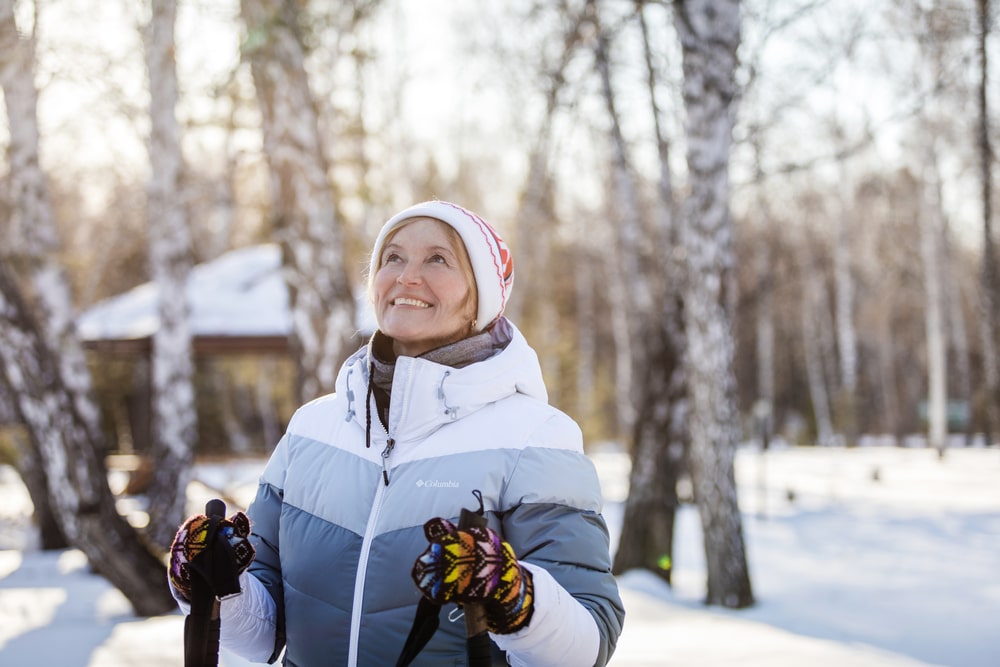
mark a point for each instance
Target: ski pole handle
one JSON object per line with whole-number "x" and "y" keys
{"x": 215, "y": 509}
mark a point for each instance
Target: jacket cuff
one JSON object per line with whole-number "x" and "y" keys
{"x": 248, "y": 621}
{"x": 561, "y": 633}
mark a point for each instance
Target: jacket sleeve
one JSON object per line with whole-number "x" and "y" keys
{"x": 551, "y": 515}
{"x": 265, "y": 571}
{"x": 247, "y": 619}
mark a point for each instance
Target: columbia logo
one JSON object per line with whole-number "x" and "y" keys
{"x": 438, "y": 484}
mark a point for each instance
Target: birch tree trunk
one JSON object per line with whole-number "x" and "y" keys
{"x": 628, "y": 286}
{"x": 535, "y": 212}
{"x": 811, "y": 304}
{"x": 174, "y": 415}
{"x": 72, "y": 453}
{"x": 42, "y": 362}
{"x": 29, "y": 466}
{"x": 953, "y": 302}
{"x": 306, "y": 223}
{"x": 990, "y": 283}
{"x": 535, "y": 228}
{"x": 847, "y": 343}
{"x": 709, "y": 32}
{"x": 30, "y": 239}
{"x": 659, "y": 437}
{"x": 930, "y": 215}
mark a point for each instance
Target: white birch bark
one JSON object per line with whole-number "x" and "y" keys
{"x": 811, "y": 303}
{"x": 659, "y": 441}
{"x": 42, "y": 363}
{"x": 306, "y": 222}
{"x": 174, "y": 426}
{"x": 628, "y": 286}
{"x": 709, "y": 31}
{"x": 844, "y": 280}
{"x": 990, "y": 279}
{"x": 847, "y": 338}
{"x": 957, "y": 328}
{"x": 930, "y": 217}
{"x": 32, "y": 233}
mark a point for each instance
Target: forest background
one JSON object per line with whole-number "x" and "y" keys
{"x": 855, "y": 261}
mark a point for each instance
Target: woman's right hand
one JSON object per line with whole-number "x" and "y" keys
{"x": 193, "y": 535}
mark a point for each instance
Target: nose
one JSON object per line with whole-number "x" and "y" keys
{"x": 410, "y": 275}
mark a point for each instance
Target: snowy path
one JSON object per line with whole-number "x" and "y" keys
{"x": 885, "y": 558}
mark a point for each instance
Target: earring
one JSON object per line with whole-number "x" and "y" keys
{"x": 472, "y": 326}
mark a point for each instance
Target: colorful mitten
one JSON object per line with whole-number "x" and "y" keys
{"x": 475, "y": 565}
{"x": 191, "y": 539}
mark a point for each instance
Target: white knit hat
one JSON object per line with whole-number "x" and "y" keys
{"x": 492, "y": 264}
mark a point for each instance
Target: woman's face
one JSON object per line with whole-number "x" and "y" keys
{"x": 422, "y": 291}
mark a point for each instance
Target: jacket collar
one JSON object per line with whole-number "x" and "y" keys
{"x": 427, "y": 395}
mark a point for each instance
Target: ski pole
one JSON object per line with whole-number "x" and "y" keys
{"x": 202, "y": 625}
{"x": 477, "y": 638}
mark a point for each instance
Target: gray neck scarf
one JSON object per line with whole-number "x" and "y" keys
{"x": 456, "y": 355}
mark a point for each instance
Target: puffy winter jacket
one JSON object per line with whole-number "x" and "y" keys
{"x": 338, "y": 525}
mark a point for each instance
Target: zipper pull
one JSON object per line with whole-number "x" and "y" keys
{"x": 390, "y": 443}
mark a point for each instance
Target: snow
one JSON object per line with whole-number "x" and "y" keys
{"x": 874, "y": 557}
{"x": 240, "y": 293}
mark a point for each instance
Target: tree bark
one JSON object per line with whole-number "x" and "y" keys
{"x": 709, "y": 31}
{"x": 990, "y": 281}
{"x": 659, "y": 437}
{"x": 811, "y": 303}
{"x": 29, "y": 465}
{"x": 42, "y": 363}
{"x": 847, "y": 339}
{"x": 306, "y": 222}
{"x": 72, "y": 453}
{"x": 174, "y": 413}
{"x": 659, "y": 451}
{"x": 930, "y": 216}
{"x": 628, "y": 288}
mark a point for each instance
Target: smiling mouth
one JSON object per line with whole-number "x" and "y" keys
{"x": 402, "y": 301}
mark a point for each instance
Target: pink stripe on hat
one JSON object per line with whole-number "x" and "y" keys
{"x": 492, "y": 263}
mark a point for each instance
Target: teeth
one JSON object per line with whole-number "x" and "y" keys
{"x": 411, "y": 302}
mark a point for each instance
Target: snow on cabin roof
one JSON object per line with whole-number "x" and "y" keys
{"x": 240, "y": 293}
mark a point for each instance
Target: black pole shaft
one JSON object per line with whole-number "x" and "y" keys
{"x": 477, "y": 638}
{"x": 202, "y": 625}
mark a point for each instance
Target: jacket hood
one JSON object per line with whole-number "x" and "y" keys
{"x": 427, "y": 395}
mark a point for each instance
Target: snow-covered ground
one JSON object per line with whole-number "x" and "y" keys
{"x": 874, "y": 556}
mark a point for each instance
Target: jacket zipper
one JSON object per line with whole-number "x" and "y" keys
{"x": 359, "y": 580}
{"x": 390, "y": 443}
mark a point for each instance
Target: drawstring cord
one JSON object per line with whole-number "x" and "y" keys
{"x": 368, "y": 405}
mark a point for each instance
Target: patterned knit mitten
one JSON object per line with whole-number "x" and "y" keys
{"x": 475, "y": 565}
{"x": 191, "y": 539}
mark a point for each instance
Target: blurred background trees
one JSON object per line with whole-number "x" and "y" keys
{"x": 860, "y": 280}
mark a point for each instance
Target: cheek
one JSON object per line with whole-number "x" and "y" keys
{"x": 380, "y": 286}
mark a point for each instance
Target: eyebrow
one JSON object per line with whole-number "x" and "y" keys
{"x": 433, "y": 248}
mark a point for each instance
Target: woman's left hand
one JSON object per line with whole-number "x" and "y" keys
{"x": 475, "y": 565}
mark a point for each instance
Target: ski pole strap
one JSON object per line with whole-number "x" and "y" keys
{"x": 425, "y": 624}
{"x": 479, "y": 648}
{"x": 201, "y": 631}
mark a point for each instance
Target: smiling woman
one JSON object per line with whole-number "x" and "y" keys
{"x": 444, "y": 408}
